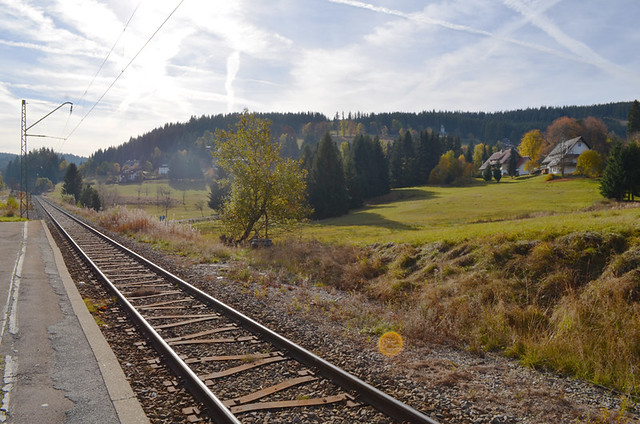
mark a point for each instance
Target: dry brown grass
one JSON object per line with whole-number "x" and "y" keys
{"x": 172, "y": 237}
{"x": 570, "y": 304}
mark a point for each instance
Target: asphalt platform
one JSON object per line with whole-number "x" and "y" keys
{"x": 55, "y": 365}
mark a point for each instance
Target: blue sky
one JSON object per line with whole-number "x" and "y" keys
{"x": 314, "y": 55}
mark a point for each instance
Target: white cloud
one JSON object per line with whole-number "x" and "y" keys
{"x": 217, "y": 56}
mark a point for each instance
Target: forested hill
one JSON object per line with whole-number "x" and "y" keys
{"x": 478, "y": 127}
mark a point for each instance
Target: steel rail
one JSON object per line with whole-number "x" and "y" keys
{"x": 215, "y": 408}
{"x": 367, "y": 393}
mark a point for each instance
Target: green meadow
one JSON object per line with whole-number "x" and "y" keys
{"x": 184, "y": 204}
{"x": 526, "y": 207}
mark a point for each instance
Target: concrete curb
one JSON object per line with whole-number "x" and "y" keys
{"x": 124, "y": 400}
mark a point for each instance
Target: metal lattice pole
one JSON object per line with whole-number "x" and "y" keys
{"x": 24, "y": 180}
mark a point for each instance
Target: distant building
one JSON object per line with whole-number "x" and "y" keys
{"x": 566, "y": 152}
{"x": 163, "y": 169}
{"x": 502, "y": 158}
{"x": 131, "y": 164}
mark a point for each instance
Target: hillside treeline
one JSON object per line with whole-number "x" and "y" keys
{"x": 159, "y": 145}
{"x": 45, "y": 169}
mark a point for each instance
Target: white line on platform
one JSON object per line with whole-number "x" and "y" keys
{"x": 10, "y": 317}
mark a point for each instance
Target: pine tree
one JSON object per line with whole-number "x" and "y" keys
{"x": 468, "y": 154}
{"x": 89, "y": 198}
{"x": 354, "y": 183}
{"x": 380, "y": 166}
{"x": 633, "y": 124}
{"x": 487, "y": 173}
{"x": 428, "y": 155}
{"x": 612, "y": 184}
{"x": 327, "y": 188}
{"x": 512, "y": 165}
{"x": 631, "y": 165}
{"x": 409, "y": 170}
{"x": 395, "y": 165}
{"x": 72, "y": 182}
{"x": 497, "y": 172}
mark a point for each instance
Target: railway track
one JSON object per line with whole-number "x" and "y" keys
{"x": 232, "y": 364}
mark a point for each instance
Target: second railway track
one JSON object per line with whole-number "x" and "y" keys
{"x": 229, "y": 362}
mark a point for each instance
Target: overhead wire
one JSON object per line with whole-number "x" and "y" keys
{"x": 79, "y": 102}
{"x": 125, "y": 68}
{"x": 110, "y": 51}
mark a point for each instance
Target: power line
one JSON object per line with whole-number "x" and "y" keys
{"x": 110, "y": 51}
{"x": 125, "y": 68}
{"x": 79, "y": 102}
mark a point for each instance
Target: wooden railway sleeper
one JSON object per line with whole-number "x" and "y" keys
{"x": 259, "y": 394}
{"x": 289, "y": 403}
{"x": 130, "y": 295}
{"x": 165, "y": 303}
{"x": 229, "y": 327}
{"x": 187, "y": 322}
{"x": 243, "y": 357}
{"x": 236, "y": 339}
{"x": 243, "y": 367}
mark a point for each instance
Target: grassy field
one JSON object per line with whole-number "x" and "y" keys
{"x": 520, "y": 208}
{"x": 146, "y": 196}
{"x": 526, "y": 207}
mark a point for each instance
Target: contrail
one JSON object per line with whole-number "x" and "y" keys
{"x": 456, "y": 27}
{"x": 576, "y": 47}
{"x": 233, "y": 66}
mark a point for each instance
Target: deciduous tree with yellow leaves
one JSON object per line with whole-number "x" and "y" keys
{"x": 531, "y": 145}
{"x": 267, "y": 191}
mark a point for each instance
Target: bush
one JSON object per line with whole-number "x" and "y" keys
{"x": 549, "y": 177}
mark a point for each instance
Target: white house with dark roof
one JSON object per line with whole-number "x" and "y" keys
{"x": 564, "y": 153}
{"x": 502, "y": 158}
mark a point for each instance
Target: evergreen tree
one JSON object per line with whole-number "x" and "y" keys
{"x": 370, "y": 168}
{"x": 631, "y": 166}
{"x": 487, "y": 173}
{"x": 612, "y": 184}
{"x": 512, "y": 165}
{"x": 402, "y": 163}
{"x": 219, "y": 190}
{"x": 497, "y": 172}
{"x": 633, "y": 120}
{"x": 72, "y": 182}
{"x": 306, "y": 157}
{"x": 380, "y": 166}
{"x": 395, "y": 165}
{"x": 409, "y": 160}
{"x": 89, "y": 198}
{"x": 327, "y": 188}
{"x": 354, "y": 182}
{"x": 468, "y": 153}
{"x": 428, "y": 155}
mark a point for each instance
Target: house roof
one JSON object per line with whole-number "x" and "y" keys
{"x": 561, "y": 149}
{"x": 501, "y": 157}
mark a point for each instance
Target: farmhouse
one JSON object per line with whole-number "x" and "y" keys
{"x": 163, "y": 169}
{"x": 502, "y": 157}
{"x": 564, "y": 155}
